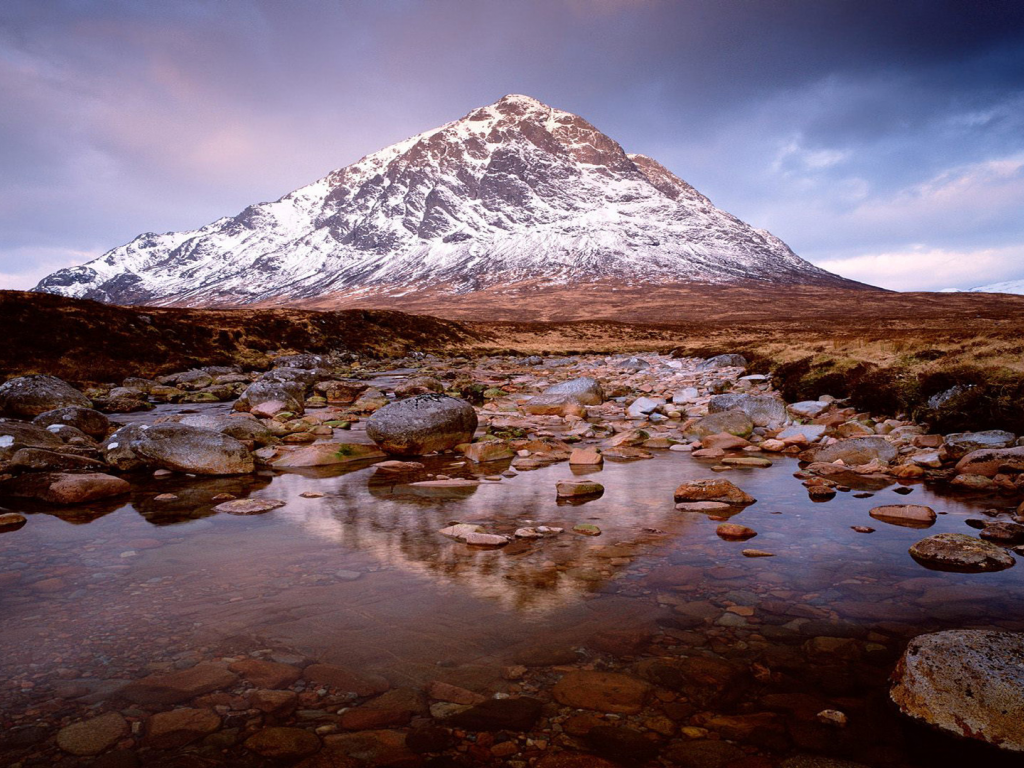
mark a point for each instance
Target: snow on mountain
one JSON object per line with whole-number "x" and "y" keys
{"x": 513, "y": 191}
{"x": 1010, "y": 286}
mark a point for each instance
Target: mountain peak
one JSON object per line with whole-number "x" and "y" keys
{"x": 513, "y": 192}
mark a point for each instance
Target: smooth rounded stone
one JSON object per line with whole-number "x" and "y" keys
{"x": 708, "y": 507}
{"x": 422, "y": 424}
{"x": 419, "y": 385}
{"x": 966, "y": 682}
{"x": 1003, "y": 531}
{"x": 282, "y": 743}
{"x": 586, "y": 529}
{"x": 685, "y": 396}
{"x": 723, "y": 361}
{"x": 554, "y": 405}
{"x": 474, "y": 535}
{"x": 746, "y": 461}
{"x": 763, "y": 410}
{"x": 713, "y": 489}
{"x": 989, "y": 462}
{"x": 266, "y": 674}
{"x": 538, "y": 532}
{"x": 194, "y": 450}
{"x": 810, "y": 432}
{"x": 602, "y": 692}
{"x": 63, "y": 488}
{"x": 643, "y": 406}
{"x": 585, "y": 457}
{"x": 517, "y": 714}
{"x": 960, "y": 552}
{"x": 734, "y": 532}
{"x": 118, "y": 450}
{"x": 29, "y": 396}
{"x": 283, "y": 395}
{"x": 11, "y": 521}
{"x": 176, "y": 687}
{"x": 959, "y": 444}
{"x": 756, "y": 553}
{"x": 566, "y": 489}
{"x": 324, "y": 454}
{"x": 89, "y": 420}
{"x": 488, "y": 450}
{"x": 907, "y": 515}
{"x": 92, "y": 736}
{"x": 808, "y": 409}
{"x": 239, "y": 426}
{"x": 821, "y": 492}
{"x": 40, "y": 459}
{"x": 734, "y": 422}
{"x": 178, "y": 727}
{"x": 15, "y": 435}
{"x": 585, "y": 389}
{"x": 855, "y": 451}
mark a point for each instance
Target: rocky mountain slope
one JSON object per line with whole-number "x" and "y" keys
{"x": 513, "y": 192}
{"x": 1009, "y": 286}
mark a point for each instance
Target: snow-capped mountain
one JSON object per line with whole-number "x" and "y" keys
{"x": 515, "y": 191}
{"x": 1010, "y": 286}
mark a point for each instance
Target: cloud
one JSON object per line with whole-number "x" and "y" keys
{"x": 33, "y": 264}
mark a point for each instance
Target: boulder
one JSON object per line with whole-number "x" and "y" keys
{"x": 15, "y": 435}
{"x": 959, "y": 444}
{"x": 961, "y": 553}
{"x": 968, "y": 682}
{"x": 735, "y": 422}
{"x": 179, "y": 686}
{"x": 763, "y": 410}
{"x": 178, "y": 727}
{"x": 240, "y": 427}
{"x": 809, "y": 409}
{"x": 488, "y": 450}
{"x": 422, "y": 424}
{"x": 41, "y": 460}
{"x": 92, "y": 736}
{"x": 586, "y": 390}
{"x": 324, "y": 454}
{"x": 182, "y": 448}
{"x": 420, "y": 385}
{"x": 282, "y": 395}
{"x": 340, "y": 392}
{"x": 29, "y": 396}
{"x": 810, "y": 432}
{"x": 118, "y": 451}
{"x": 723, "y": 361}
{"x": 633, "y": 364}
{"x": 585, "y": 457}
{"x": 554, "y": 405}
{"x": 989, "y": 462}
{"x": 602, "y": 692}
{"x": 714, "y": 489}
{"x": 855, "y": 451}
{"x": 88, "y": 420}
{"x": 643, "y": 406}
{"x": 124, "y": 400}
{"x": 686, "y": 396}
{"x": 908, "y": 515}
{"x": 64, "y": 488}
{"x": 567, "y": 489}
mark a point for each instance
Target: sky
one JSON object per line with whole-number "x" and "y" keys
{"x": 881, "y": 140}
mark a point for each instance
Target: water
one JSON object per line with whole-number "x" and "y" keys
{"x": 360, "y": 577}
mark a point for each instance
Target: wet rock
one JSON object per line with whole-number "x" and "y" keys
{"x": 268, "y": 398}
{"x": 809, "y": 409}
{"x": 340, "y": 392}
{"x": 488, "y": 450}
{"x": 499, "y": 715}
{"x": 122, "y": 400}
{"x": 40, "y": 460}
{"x": 474, "y": 535}
{"x": 181, "y": 448}
{"x": 703, "y": 754}
{"x": 908, "y": 515}
{"x": 989, "y": 462}
{"x": 734, "y": 422}
{"x": 746, "y": 461}
{"x": 966, "y": 682}
{"x": 281, "y": 743}
{"x": 422, "y": 424}
{"x": 177, "y": 687}
{"x": 382, "y": 747}
{"x": 567, "y": 489}
{"x": 275, "y": 703}
{"x": 323, "y": 455}
{"x": 15, "y": 435}
{"x": 763, "y": 410}
{"x": 11, "y": 521}
{"x": 723, "y": 361}
{"x": 960, "y": 444}
{"x": 240, "y": 427}
{"x": 88, "y": 420}
{"x": 756, "y": 553}
{"x": 118, "y": 451}
{"x": 266, "y": 674}
{"x": 92, "y": 736}
{"x": 586, "y": 529}
{"x": 643, "y": 406}
{"x": 178, "y": 727}
{"x": 960, "y": 552}
{"x": 633, "y": 364}
{"x": 29, "y": 396}
{"x": 686, "y": 396}
{"x": 554, "y": 405}
{"x": 855, "y": 451}
{"x": 420, "y": 385}
{"x": 622, "y": 744}
{"x": 724, "y": 442}
{"x": 585, "y": 457}
{"x": 734, "y": 532}
{"x": 63, "y": 488}
{"x": 586, "y": 390}
{"x": 602, "y": 692}
{"x": 809, "y": 432}
{"x": 714, "y": 489}
{"x": 342, "y": 679}
{"x": 1003, "y": 532}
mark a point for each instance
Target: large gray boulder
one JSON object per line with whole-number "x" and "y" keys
{"x": 855, "y": 451}
{"x": 28, "y": 396}
{"x": 585, "y": 389}
{"x": 763, "y": 410}
{"x": 118, "y": 450}
{"x": 89, "y": 420}
{"x": 289, "y": 394}
{"x": 182, "y": 448}
{"x": 304, "y": 376}
{"x": 733, "y": 422}
{"x": 723, "y": 361}
{"x": 15, "y": 435}
{"x": 239, "y": 427}
{"x": 968, "y": 682}
{"x": 422, "y": 424}
{"x": 959, "y": 444}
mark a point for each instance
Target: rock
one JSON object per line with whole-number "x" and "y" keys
{"x": 38, "y": 459}
{"x": 178, "y": 727}
{"x": 422, "y": 424}
{"x": 181, "y": 448}
{"x": 420, "y": 385}
{"x": 1004, "y": 532}
{"x": 960, "y": 552}
{"x": 734, "y": 422}
{"x": 554, "y": 405}
{"x": 855, "y": 451}
{"x": 280, "y": 396}
{"x": 724, "y": 442}
{"x": 633, "y": 364}
{"x": 573, "y": 760}
{"x": 488, "y": 450}
{"x": 602, "y": 692}
{"x": 989, "y": 462}
{"x": 966, "y": 682}
{"x": 342, "y": 679}
{"x": 452, "y": 488}
{"x": 377, "y": 748}
{"x": 11, "y": 521}
{"x": 746, "y": 461}
{"x": 569, "y": 489}
{"x": 734, "y": 532}
{"x": 118, "y": 451}
{"x": 714, "y": 489}
{"x": 92, "y": 736}
{"x": 15, "y": 435}
{"x": 29, "y": 396}
{"x": 756, "y": 553}
{"x": 274, "y": 702}
{"x": 281, "y": 743}
{"x": 122, "y": 400}
{"x": 176, "y": 687}
{"x": 586, "y": 390}
{"x": 340, "y": 392}
{"x": 238, "y": 426}
{"x": 266, "y": 674}
{"x": 723, "y": 361}
{"x": 324, "y": 455}
{"x": 499, "y": 715}
{"x": 909, "y": 515}
{"x": 473, "y": 535}
{"x": 703, "y": 754}
{"x": 586, "y": 529}
{"x": 686, "y": 396}
{"x": 810, "y": 433}
{"x": 809, "y": 409}
{"x": 89, "y": 420}
{"x": 585, "y": 457}
{"x": 624, "y": 745}
{"x": 960, "y": 444}
{"x": 763, "y": 410}
{"x": 642, "y": 407}
{"x": 62, "y": 488}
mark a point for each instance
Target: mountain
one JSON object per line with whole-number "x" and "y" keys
{"x": 515, "y": 192}
{"x": 1010, "y": 286}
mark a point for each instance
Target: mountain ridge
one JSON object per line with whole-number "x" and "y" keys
{"x": 515, "y": 191}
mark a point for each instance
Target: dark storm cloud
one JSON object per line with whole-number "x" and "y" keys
{"x": 882, "y": 139}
